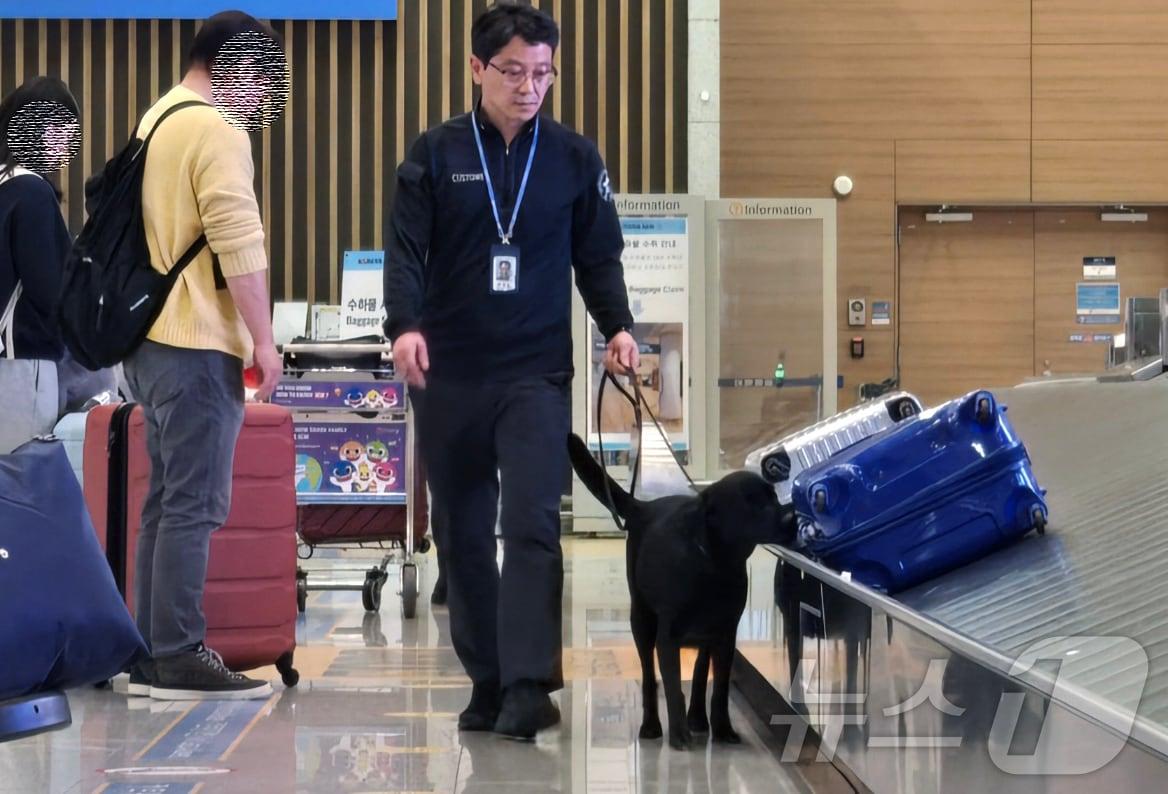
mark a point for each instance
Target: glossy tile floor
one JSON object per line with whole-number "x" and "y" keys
{"x": 376, "y": 710}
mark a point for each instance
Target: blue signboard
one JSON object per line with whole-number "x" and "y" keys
{"x": 197, "y": 9}
{"x": 1096, "y": 299}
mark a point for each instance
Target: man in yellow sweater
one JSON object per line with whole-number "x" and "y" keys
{"x": 188, "y": 374}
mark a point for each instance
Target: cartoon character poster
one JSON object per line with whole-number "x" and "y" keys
{"x": 362, "y": 459}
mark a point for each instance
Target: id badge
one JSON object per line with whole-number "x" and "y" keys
{"x": 504, "y": 269}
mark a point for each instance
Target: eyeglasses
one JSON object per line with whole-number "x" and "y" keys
{"x": 515, "y": 75}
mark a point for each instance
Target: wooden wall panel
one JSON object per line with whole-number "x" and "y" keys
{"x": 962, "y": 172}
{"x": 879, "y": 348}
{"x": 1091, "y": 22}
{"x": 361, "y": 92}
{"x": 1100, "y": 93}
{"x": 765, "y": 22}
{"x": 753, "y": 166}
{"x": 887, "y": 91}
{"x": 1062, "y": 237}
{"x": 989, "y": 102}
{"x": 1112, "y": 172}
{"x": 966, "y": 302}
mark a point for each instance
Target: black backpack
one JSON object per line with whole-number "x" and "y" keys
{"x": 111, "y": 295}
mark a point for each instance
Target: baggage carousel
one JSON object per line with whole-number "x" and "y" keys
{"x": 1043, "y": 667}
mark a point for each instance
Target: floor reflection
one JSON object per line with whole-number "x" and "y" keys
{"x": 376, "y": 710}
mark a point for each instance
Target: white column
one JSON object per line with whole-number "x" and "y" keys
{"x": 704, "y": 127}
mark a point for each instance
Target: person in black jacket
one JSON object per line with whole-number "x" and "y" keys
{"x": 39, "y": 134}
{"x": 493, "y": 210}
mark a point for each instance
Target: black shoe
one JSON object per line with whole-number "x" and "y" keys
{"x": 483, "y": 710}
{"x": 141, "y": 678}
{"x": 527, "y": 710}
{"x": 438, "y": 597}
{"x": 201, "y": 675}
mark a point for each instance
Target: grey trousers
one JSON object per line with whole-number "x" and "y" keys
{"x": 29, "y": 390}
{"x": 193, "y": 402}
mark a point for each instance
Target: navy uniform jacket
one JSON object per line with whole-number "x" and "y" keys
{"x": 438, "y": 250}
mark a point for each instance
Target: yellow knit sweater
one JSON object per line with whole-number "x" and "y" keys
{"x": 199, "y": 179}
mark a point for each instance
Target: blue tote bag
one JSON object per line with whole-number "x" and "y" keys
{"x": 62, "y": 621}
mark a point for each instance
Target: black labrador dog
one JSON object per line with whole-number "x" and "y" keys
{"x": 686, "y": 559}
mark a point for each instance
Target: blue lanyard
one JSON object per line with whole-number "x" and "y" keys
{"x": 505, "y": 237}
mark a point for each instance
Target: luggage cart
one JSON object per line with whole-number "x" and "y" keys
{"x": 347, "y": 390}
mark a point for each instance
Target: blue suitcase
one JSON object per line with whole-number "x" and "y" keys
{"x": 931, "y": 494}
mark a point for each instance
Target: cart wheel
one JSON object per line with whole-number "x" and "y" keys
{"x": 371, "y": 591}
{"x": 288, "y": 674}
{"x": 1039, "y": 519}
{"x": 409, "y": 593}
{"x": 424, "y": 546}
{"x": 371, "y": 631}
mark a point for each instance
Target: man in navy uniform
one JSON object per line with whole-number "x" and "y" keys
{"x": 493, "y": 210}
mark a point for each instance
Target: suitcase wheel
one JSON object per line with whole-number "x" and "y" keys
{"x": 902, "y": 409}
{"x": 288, "y": 674}
{"x": 301, "y": 593}
{"x": 371, "y": 590}
{"x": 1038, "y": 518}
{"x": 424, "y": 546}
{"x": 985, "y": 411}
{"x": 776, "y": 468}
{"x": 409, "y": 593}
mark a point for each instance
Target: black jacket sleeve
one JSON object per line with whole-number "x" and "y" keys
{"x": 407, "y": 241}
{"x": 597, "y": 244}
{"x": 40, "y": 243}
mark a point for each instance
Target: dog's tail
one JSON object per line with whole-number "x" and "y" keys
{"x": 594, "y": 478}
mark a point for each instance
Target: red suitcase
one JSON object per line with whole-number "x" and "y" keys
{"x": 250, "y": 599}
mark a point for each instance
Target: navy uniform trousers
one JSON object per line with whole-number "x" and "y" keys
{"x": 478, "y": 440}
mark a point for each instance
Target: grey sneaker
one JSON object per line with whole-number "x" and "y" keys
{"x": 201, "y": 675}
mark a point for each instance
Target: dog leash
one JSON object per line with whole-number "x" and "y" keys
{"x": 637, "y": 400}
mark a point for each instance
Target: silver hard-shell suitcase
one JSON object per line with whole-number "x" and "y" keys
{"x": 779, "y": 462}
{"x": 70, "y": 431}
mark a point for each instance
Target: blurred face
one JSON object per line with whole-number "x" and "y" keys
{"x": 515, "y": 81}
{"x": 59, "y": 140}
{"x": 250, "y": 81}
{"x": 44, "y": 136}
